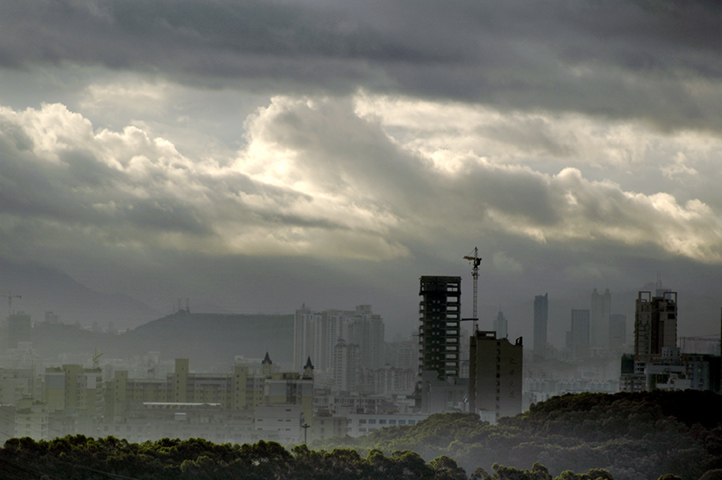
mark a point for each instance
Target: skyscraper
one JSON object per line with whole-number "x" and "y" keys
{"x": 655, "y": 324}
{"x": 601, "y": 309}
{"x": 500, "y": 325}
{"x": 439, "y": 334}
{"x": 579, "y": 337}
{"x": 541, "y": 316}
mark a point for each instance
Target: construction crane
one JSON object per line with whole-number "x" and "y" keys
{"x": 96, "y": 358}
{"x": 475, "y": 261}
{"x": 10, "y": 302}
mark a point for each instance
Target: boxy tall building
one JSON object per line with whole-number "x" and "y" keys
{"x": 655, "y": 324}
{"x": 495, "y": 376}
{"x": 439, "y": 332}
{"x": 541, "y": 317}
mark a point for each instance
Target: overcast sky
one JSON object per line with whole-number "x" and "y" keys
{"x": 254, "y": 155}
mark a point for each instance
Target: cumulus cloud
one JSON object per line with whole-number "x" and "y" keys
{"x": 317, "y": 178}
{"x": 126, "y": 188}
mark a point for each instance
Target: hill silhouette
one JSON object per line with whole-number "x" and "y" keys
{"x": 207, "y": 339}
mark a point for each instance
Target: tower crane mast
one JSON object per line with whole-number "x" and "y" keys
{"x": 474, "y": 261}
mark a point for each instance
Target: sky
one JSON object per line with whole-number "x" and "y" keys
{"x": 256, "y": 155}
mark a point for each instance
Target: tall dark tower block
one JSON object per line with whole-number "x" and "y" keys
{"x": 541, "y": 317}
{"x": 439, "y": 332}
{"x": 655, "y": 324}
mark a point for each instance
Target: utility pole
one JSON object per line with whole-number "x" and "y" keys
{"x": 305, "y": 432}
{"x": 475, "y": 261}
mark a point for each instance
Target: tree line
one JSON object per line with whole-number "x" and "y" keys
{"x": 633, "y": 436}
{"x": 82, "y": 458}
{"x": 656, "y": 435}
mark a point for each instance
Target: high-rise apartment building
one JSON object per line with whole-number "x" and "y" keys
{"x": 366, "y": 329}
{"x": 306, "y": 324}
{"x": 655, "y": 324}
{"x": 495, "y": 376}
{"x": 346, "y": 366}
{"x": 541, "y": 317}
{"x": 600, "y": 312}
{"x": 317, "y": 333}
{"x": 439, "y": 333}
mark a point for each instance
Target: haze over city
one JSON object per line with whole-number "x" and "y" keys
{"x": 256, "y": 156}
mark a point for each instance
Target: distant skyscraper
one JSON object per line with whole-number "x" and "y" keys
{"x": 601, "y": 309}
{"x": 580, "y": 333}
{"x": 500, "y": 325}
{"x": 304, "y": 337}
{"x": 495, "y": 376}
{"x": 655, "y": 324}
{"x": 366, "y": 329}
{"x": 541, "y": 317}
{"x": 617, "y": 331}
{"x": 439, "y": 333}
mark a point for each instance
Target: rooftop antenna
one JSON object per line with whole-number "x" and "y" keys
{"x": 475, "y": 261}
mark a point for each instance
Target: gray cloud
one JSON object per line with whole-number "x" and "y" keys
{"x": 656, "y": 60}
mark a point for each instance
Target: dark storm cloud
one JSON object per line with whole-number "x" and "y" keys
{"x": 657, "y": 60}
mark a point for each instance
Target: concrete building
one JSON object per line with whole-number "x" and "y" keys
{"x": 316, "y": 335}
{"x": 346, "y": 367}
{"x": 280, "y": 422}
{"x": 439, "y": 332}
{"x": 327, "y": 426}
{"x": 495, "y": 376}
{"x": 541, "y": 318}
{"x": 365, "y": 423}
{"x": 31, "y": 420}
{"x": 74, "y": 389}
{"x": 440, "y": 387}
{"x": 366, "y": 329}
{"x": 307, "y": 330}
{"x": 389, "y": 380}
{"x": 657, "y": 362}
{"x": 655, "y": 324}
{"x": 19, "y": 383}
{"x": 601, "y": 304}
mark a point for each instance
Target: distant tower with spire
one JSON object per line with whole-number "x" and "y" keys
{"x": 267, "y": 366}
{"x": 308, "y": 370}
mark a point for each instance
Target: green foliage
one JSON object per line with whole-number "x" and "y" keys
{"x": 630, "y": 436}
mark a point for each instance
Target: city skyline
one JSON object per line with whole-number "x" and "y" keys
{"x": 257, "y": 156}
